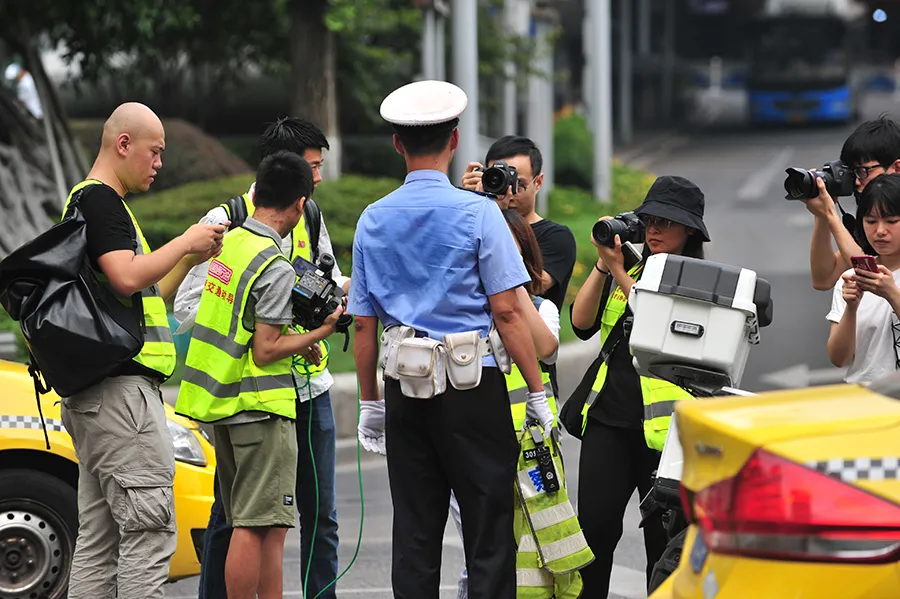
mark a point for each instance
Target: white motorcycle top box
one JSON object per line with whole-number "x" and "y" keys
{"x": 696, "y": 314}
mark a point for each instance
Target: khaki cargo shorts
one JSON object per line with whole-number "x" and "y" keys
{"x": 257, "y": 470}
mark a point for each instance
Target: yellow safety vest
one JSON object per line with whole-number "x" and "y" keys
{"x": 518, "y": 392}
{"x": 551, "y": 547}
{"x": 158, "y": 352}
{"x": 220, "y": 377}
{"x": 299, "y": 248}
{"x": 659, "y": 396}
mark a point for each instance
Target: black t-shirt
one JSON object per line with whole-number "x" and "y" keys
{"x": 109, "y": 229}
{"x": 620, "y": 403}
{"x": 557, "y": 245}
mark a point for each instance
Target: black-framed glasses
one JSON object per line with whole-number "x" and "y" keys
{"x": 523, "y": 185}
{"x": 862, "y": 171}
{"x": 657, "y": 222}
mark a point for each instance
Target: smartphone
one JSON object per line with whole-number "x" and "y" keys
{"x": 864, "y": 263}
{"x": 631, "y": 254}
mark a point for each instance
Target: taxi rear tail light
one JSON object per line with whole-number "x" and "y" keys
{"x": 777, "y": 509}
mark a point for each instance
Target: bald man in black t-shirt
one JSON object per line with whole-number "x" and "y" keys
{"x": 126, "y": 470}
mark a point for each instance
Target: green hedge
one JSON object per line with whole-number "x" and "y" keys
{"x": 165, "y": 215}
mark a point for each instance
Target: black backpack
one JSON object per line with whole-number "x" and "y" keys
{"x": 77, "y": 330}
{"x": 236, "y": 208}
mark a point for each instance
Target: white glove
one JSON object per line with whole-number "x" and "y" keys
{"x": 538, "y": 408}
{"x": 371, "y": 426}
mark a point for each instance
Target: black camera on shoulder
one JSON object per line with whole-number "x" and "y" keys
{"x": 800, "y": 184}
{"x": 626, "y": 225}
{"x": 315, "y": 296}
{"x": 498, "y": 178}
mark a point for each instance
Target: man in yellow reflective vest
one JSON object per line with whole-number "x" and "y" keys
{"x": 126, "y": 470}
{"x": 238, "y": 376}
{"x": 315, "y": 492}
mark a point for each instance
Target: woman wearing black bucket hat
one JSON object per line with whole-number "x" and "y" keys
{"x": 611, "y": 408}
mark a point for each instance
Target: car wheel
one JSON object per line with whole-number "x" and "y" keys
{"x": 38, "y": 526}
{"x": 668, "y": 563}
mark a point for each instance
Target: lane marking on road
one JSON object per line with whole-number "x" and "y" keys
{"x": 758, "y": 182}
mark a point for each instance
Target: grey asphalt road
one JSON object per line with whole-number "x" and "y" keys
{"x": 741, "y": 172}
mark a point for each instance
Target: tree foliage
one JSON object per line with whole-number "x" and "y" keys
{"x": 170, "y": 49}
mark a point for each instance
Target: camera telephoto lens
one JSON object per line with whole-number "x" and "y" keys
{"x": 605, "y": 231}
{"x": 800, "y": 184}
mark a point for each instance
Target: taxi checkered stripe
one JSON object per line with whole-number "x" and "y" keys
{"x": 850, "y": 470}
{"x": 53, "y": 424}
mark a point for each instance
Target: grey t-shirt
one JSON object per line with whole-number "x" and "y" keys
{"x": 270, "y": 295}
{"x": 269, "y": 303}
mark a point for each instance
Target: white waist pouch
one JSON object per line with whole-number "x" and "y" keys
{"x": 391, "y": 338}
{"x": 504, "y": 363}
{"x": 464, "y": 365}
{"x": 421, "y": 367}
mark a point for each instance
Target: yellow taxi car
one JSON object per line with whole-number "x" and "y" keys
{"x": 791, "y": 494}
{"x": 38, "y": 508}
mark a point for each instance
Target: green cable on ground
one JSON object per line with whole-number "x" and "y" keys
{"x": 304, "y": 369}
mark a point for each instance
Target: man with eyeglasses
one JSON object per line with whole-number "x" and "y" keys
{"x": 873, "y": 149}
{"x": 556, "y": 242}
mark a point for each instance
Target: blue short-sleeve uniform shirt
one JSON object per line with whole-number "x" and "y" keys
{"x": 429, "y": 254}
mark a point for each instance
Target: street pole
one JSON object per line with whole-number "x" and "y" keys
{"x": 601, "y": 85}
{"x": 644, "y": 28}
{"x": 429, "y": 47}
{"x": 668, "y": 76}
{"x": 625, "y": 72}
{"x": 645, "y": 15}
{"x": 540, "y": 99}
{"x": 440, "y": 43}
{"x": 464, "y": 20}
{"x": 510, "y": 105}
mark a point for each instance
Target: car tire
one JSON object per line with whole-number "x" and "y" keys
{"x": 668, "y": 563}
{"x": 38, "y": 527}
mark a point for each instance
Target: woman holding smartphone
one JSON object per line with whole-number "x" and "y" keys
{"x": 625, "y": 417}
{"x": 866, "y": 298}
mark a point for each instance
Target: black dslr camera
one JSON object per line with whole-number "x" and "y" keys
{"x": 626, "y": 225}
{"x": 498, "y": 178}
{"x": 316, "y": 295}
{"x": 800, "y": 184}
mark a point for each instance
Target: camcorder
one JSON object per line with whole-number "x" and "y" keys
{"x": 315, "y": 296}
{"x": 498, "y": 178}
{"x": 800, "y": 184}
{"x": 626, "y": 225}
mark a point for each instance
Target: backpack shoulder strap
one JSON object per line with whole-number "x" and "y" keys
{"x": 313, "y": 217}
{"x": 236, "y": 208}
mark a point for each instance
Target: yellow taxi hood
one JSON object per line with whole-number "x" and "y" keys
{"x": 808, "y": 426}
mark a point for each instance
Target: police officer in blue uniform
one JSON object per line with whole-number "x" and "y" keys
{"x": 438, "y": 264}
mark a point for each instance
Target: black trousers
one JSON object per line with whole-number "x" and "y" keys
{"x": 464, "y": 441}
{"x": 613, "y": 462}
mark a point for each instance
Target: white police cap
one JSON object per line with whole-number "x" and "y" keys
{"x": 424, "y": 103}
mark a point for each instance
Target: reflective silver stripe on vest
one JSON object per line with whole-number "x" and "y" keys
{"x": 254, "y": 266}
{"x": 158, "y": 335}
{"x": 552, "y": 516}
{"x": 521, "y": 395}
{"x": 534, "y": 577}
{"x": 213, "y": 337}
{"x": 659, "y": 409}
{"x": 591, "y": 398}
{"x": 259, "y": 384}
{"x": 556, "y": 550}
